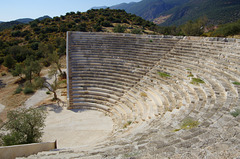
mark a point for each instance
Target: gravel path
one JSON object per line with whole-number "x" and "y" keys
{"x": 38, "y": 96}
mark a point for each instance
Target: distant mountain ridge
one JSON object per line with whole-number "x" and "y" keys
{"x": 27, "y": 20}
{"x": 177, "y": 12}
{"x": 24, "y": 20}
{"x": 100, "y": 7}
{"x": 5, "y": 25}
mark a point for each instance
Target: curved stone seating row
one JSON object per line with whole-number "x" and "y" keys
{"x": 217, "y": 93}
{"x": 94, "y": 55}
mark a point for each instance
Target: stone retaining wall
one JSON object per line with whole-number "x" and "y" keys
{"x": 11, "y": 152}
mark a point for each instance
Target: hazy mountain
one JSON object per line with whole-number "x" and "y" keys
{"x": 44, "y": 17}
{"x": 101, "y": 7}
{"x": 177, "y": 12}
{"x": 24, "y": 20}
{"x": 5, "y": 25}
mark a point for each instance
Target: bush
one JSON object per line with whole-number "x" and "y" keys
{"x": 119, "y": 29}
{"x": 163, "y": 74}
{"x": 228, "y": 29}
{"x": 18, "y": 90}
{"x": 136, "y": 31}
{"x": 24, "y": 126}
{"x": 236, "y": 83}
{"x": 190, "y": 74}
{"x": 106, "y": 24}
{"x": 196, "y": 81}
{"x": 9, "y": 61}
{"x": 28, "y": 90}
{"x": 235, "y": 113}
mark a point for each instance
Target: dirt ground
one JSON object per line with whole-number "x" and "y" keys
{"x": 10, "y": 100}
{"x": 8, "y": 85}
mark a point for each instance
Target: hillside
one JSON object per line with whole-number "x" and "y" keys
{"x": 92, "y": 20}
{"x": 5, "y": 25}
{"x": 176, "y": 12}
{"x": 38, "y": 39}
{"x": 23, "y": 40}
{"x": 149, "y": 9}
{"x": 217, "y": 11}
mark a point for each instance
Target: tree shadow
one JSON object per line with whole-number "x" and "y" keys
{"x": 53, "y": 107}
{"x": 2, "y": 85}
{"x": 79, "y": 110}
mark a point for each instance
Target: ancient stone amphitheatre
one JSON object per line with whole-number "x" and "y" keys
{"x": 168, "y": 97}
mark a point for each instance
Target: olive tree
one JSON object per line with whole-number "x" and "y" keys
{"x": 24, "y": 126}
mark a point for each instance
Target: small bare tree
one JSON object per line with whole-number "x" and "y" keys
{"x": 52, "y": 87}
{"x": 54, "y": 58}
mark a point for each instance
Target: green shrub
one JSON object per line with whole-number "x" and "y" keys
{"x": 136, "y": 31}
{"x": 18, "y": 90}
{"x": 163, "y": 74}
{"x": 119, "y": 29}
{"x": 236, "y": 83}
{"x": 228, "y": 29}
{"x": 196, "y": 81}
{"x": 190, "y": 75}
{"x": 24, "y": 126}
{"x": 235, "y": 113}
{"x": 28, "y": 90}
{"x": 9, "y": 61}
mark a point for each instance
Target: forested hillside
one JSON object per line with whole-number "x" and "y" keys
{"x": 178, "y": 12}
{"x": 49, "y": 34}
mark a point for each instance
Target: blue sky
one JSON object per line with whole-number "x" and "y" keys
{"x": 15, "y": 9}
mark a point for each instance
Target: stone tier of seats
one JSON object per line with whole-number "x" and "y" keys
{"x": 104, "y": 70}
{"x": 157, "y": 105}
